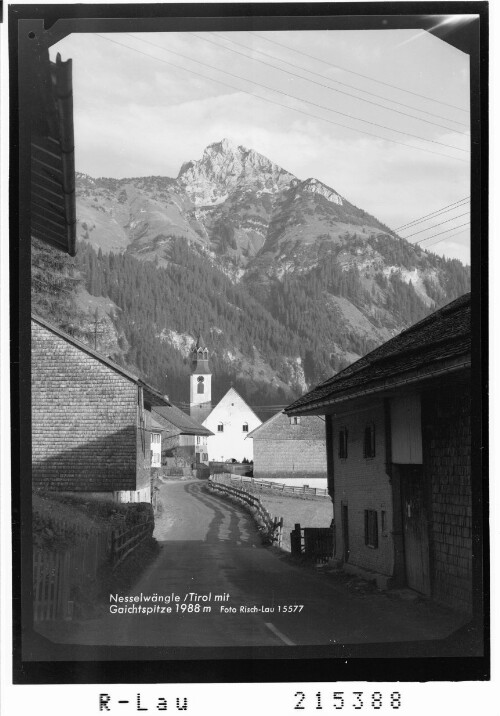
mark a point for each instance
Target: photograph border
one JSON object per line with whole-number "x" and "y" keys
{"x": 316, "y": 663}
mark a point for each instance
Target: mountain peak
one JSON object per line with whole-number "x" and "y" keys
{"x": 226, "y": 166}
{"x": 225, "y": 146}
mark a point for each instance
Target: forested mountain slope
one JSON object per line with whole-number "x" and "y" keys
{"x": 286, "y": 279}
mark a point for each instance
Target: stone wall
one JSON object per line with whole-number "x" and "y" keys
{"x": 84, "y": 417}
{"x": 447, "y": 467}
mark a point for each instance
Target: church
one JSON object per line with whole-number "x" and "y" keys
{"x": 230, "y": 421}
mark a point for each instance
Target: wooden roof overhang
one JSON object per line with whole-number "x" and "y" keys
{"x": 436, "y": 346}
{"x": 53, "y": 204}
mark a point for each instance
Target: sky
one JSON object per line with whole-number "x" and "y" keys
{"x": 145, "y": 103}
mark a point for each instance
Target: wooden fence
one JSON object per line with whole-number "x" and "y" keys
{"x": 234, "y": 468}
{"x": 272, "y": 525}
{"x": 62, "y": 576}
{"x": 315, "y": 543}
{"x": 279, "y": 487}
{"x": 125, "y": 541}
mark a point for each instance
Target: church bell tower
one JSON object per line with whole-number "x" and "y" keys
{"x": 200, "y": 394}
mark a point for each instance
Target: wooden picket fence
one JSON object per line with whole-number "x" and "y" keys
{"x": 277, "y": 486}
{"x": 273, "y": 525}
{"x": 60, "y": 575}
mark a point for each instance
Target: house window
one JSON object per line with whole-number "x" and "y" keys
{"x": 220, "y": 428}
{"x": 343, "y": 443}
{"x": 294, "y": 420}
{"x": 201, "y": 384}
{"x": 155, "y": 450}
{"x": 369, "y": 441}
{"x": 371, "y": 529}
{"x": 245, "y": 427}
{"x": 205, "y": 457}
{"x": 198, "y": 439}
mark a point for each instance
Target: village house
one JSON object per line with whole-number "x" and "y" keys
{"x": 291, "y": 450}
{"x": 184, "y": 440}
{"x": 91, "y": 420}
{"x": 398, "y": 437}
{"x": 231, "y": 421}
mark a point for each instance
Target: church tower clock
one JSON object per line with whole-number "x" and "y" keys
{"x": 200, "y": 394}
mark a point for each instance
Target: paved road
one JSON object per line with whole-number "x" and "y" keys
{"x": 211, "y": 547}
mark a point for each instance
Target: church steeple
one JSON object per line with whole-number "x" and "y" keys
{"x": 200, "y": 401}
{"x": 199, "y": 357}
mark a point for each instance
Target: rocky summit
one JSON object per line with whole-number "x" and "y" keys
{"x": 288, "y": 280}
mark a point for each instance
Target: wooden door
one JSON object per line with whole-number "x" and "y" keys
{"x": 415, "y": 529}
{"x": 345, "y": 533}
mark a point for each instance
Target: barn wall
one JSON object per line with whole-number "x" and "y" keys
{"x": 292, "y": 459}
{"x": 83, "y": 419}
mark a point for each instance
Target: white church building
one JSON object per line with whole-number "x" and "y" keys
{"x": 230, "y": 421}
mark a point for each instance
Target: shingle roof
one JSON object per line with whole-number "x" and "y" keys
{"x": 440, "y": 337}
{"x": 181, "y": 420}
{"x": 159, "y": 424}
{"x": 152, "y": 393}
{"x": 278, "y": 427}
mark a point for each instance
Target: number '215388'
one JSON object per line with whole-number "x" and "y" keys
{"x": 354, "y": 700}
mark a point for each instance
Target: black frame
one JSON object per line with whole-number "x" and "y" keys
{"x": 51, "y": 22}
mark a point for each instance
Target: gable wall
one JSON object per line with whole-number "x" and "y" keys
{"x": 290, "y": 451}
{"x": 289, "y": 458}
{"x": 232, "y": 411}
{"x": 84, "y": 417}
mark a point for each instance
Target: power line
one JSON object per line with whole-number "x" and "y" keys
{"x": 359, "y": 74}
{"x": 344, "y": 84}
{"x": 444, "y": 210}
{"x": 279, "y": 104}
{"x": 434, "y": 243}
{"x": 442, "y": 232}
{"x": 332, "y": 89}
{"x": 434, "y": 226}
{"x": 305, "y": 101}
